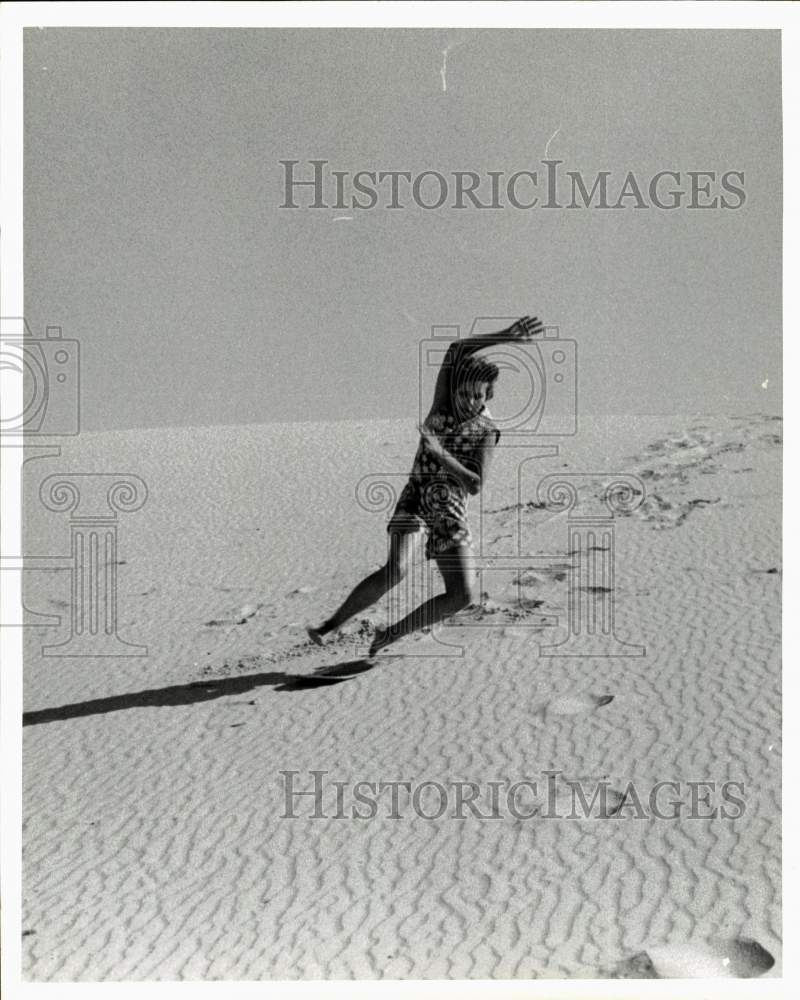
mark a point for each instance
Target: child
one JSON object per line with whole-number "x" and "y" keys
{"x": 452, "y": 461}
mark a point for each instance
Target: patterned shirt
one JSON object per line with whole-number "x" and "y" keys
{"x": 436, "y": 496}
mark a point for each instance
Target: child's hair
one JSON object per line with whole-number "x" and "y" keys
{"x": 474, "y": 370}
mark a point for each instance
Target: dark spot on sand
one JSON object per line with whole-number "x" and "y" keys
{"x": 578, "y": 704}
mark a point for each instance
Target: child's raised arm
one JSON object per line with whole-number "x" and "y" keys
{"x": 523, "y": 330}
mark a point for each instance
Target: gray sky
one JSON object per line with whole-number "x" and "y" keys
{"x": 153, "y": 233}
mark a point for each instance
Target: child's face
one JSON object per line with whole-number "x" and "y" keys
{"x": 470, "y": 399}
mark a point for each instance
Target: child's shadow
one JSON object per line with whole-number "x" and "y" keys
{"x": 199, "y": 691}
{"x": 343, "y": 671}
{"x": 325, "y": 676}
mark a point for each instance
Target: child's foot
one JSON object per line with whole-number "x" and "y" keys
{"x": 381, "y": 639}
{"x": 314, "y": 635}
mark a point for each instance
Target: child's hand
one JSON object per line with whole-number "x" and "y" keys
{"x": 526, "y": 328}
{"x": 430, "y": 439}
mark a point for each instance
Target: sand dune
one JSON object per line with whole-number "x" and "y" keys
{"x": 155, "y": 841}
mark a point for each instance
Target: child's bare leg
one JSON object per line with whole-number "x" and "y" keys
{"x": 456, "y": 567}
{"x": 374, "y": 586}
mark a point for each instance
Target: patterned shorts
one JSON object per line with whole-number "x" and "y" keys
{"x": 439, "y": 507}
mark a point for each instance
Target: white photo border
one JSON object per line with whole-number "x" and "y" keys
{"x": 14, "y": 17}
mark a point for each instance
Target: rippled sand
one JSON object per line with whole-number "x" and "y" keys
{"x": 153, "y": 840}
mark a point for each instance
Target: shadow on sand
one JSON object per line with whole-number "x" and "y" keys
{"x": 189, "y": 694}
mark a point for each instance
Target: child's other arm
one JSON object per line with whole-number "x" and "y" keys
{"x": 471, "y": 478}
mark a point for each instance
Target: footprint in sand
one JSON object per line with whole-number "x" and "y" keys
{"x": 246, "y": 613}
{"x": 554, "y": 573}
{"x": 733, "y": 958}
{"x": 577, "y": 704}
